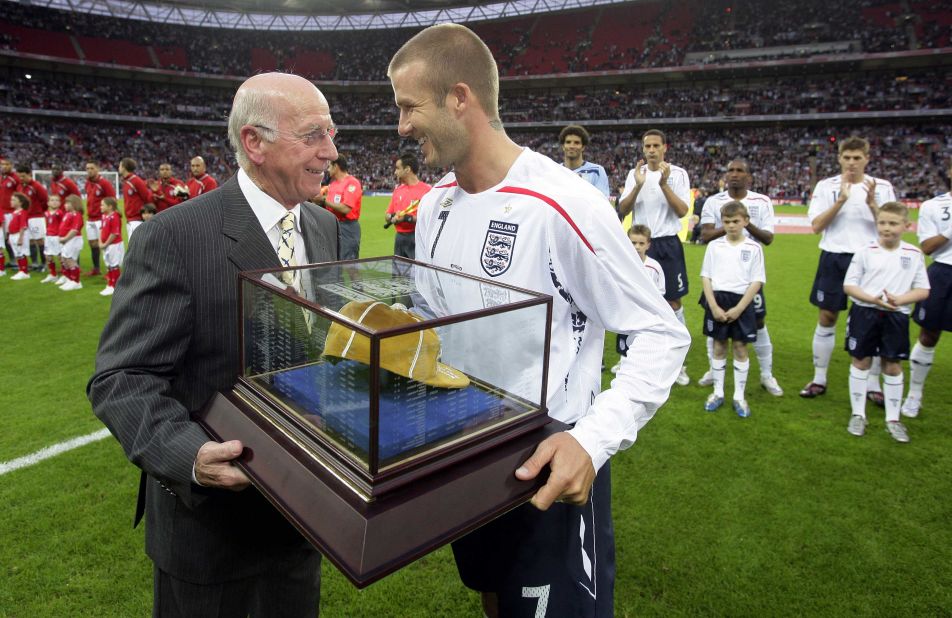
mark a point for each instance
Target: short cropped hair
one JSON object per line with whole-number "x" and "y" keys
{"x": 896, "y": 208}
{"x": 408, "y": 159}
{"x": 76, "y": 202}
{"x": 452, "y": 54}
{"x": 23, "y": 168}
{"x": 576, "y": 130}
{"x": 341, "y": 161}
{"x": 149, "y": 208}
{"x": 111, "y": 202}
{"x": 734, "y": 208}
{"x": 854, "y": 143}
{"x": 128, "y": 164}
{"x": 640, "y": 230}
{"x": 664, "y": 139}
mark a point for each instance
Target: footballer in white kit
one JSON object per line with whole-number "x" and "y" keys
{"x": 934, "y": 314}
{"x": 841, "y": 211}
{"x": 761, "y": 229}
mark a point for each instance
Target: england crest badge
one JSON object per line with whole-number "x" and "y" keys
{"x": 745, "y": 255}
{"x": 498, "y": 247}
{"x": 905, "y": 262}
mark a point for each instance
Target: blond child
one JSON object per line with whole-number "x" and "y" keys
{"x": 884, "y": 279}
{"x": 52, "y": 248}
{"x": 732, "y": 274}
{"x": 71, "y": 241}
{"x": 19, "y": 233}
{"x": 110, "y": 241}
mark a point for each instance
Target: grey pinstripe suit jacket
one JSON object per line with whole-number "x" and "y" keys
{"x": 170, "y": 343}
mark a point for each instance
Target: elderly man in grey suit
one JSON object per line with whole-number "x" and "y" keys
{"x": 171, "y": 342}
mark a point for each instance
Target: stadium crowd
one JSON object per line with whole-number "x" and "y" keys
{"x": 886, "y": 91}
{"x": 870, "y": 26}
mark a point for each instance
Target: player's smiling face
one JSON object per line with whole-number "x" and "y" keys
{"x": 853, "y": 164}
{"x": 572, "y": 147}
{"x": 432, "y": 123}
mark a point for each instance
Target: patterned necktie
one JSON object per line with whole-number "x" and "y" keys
{"x": 286, "y": 247}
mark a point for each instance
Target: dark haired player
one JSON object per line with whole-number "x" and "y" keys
{"x": 574, "y": 139}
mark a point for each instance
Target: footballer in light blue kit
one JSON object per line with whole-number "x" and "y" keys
{"x": 934, "y": 314}
{"x": 574, "y": 138}
{"x": 884, "y": 279}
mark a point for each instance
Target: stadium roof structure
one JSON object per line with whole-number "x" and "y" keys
{"x": 309, "y": 15}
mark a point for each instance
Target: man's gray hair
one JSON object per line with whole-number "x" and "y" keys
{"x": 250, "y": 107}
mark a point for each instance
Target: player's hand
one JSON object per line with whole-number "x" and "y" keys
{"x": 640, "y": 172}
{"x": 870, "y": 184}
{"x": 571, "y": 471}
{"x": 214, "y": 467}
{"x": 719, "y": 314}
{"x": 153, "y": 185}
{"x": 890, "y": 301}
{"x": 665, "y": 172}
{"x": 731, "y": 314}
{"x": 844, "y": 190}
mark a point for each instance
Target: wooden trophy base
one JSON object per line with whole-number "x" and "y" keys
{"x": 369, "y": 540}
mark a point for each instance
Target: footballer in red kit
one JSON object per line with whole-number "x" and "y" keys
{"x": 168, "y": 190}
{"x": 8, "y": 186}
{"x": 61, "y": 185}
{"x": 35, "y": 212}
{"x": 97, "y": 188}
{"x": 135, "y": 193}
{"x": 200, "y": 182}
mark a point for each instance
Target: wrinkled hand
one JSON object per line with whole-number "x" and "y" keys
{"x": 571, "y": 471}
{"x": 640, "y": 172}
{"x": 214, "y": 467}
{"x": 665, "y": 172}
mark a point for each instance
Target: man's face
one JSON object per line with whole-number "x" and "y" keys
{"x": 293, "y": 165}
{"x": 654, "y": 148}
{"x": 572, "y": 147}
{"x": 24, "y": 177}
{"x": 165, "y": 171}
{"x": 57, "y": 171}
{"x": 198, "y": 167}
{"x": 890, "y": 227}
{"x": 853, "y": 164}
{"x": 399, "y": 172}
{"x": 738, "y": 178}
{"x": 433, "y": 124}
{"x": 92, "y": 171}
{"x": 5, "y": 166}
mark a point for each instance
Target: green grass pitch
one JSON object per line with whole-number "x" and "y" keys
{"x": 780, "y": 514}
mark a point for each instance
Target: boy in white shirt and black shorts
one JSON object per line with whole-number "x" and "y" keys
{"x": 732, "y": 275}
{"x": 884, "y": 279}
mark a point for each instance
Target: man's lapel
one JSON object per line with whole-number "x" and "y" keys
{"x": 251, "y": 250}
{"x": 316, "y": 240}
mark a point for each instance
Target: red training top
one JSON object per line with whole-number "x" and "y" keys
{"x": 17, "y": 223}
{"x": 111, "y": 224}
{"x": 63, "y": 187}
{"x": 8, "y": 186}
{"x": 38, "y": 198}
{"x": 95, "y": 191}
{"x": 136, "y": 194}
{"x": 53, "y": 220}
{"x": 203, "y": 184}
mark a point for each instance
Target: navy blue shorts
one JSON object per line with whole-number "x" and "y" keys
{"x": 935, "y": 312}
{"x": 827, "y": 292}
{"x": 743, "y": 328}
{"x": 554, "y": 563}
{"x": 874, "y": 332}
{"x": 669, "y": 252}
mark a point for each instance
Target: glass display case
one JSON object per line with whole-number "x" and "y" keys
{"x": 380, "y": 384}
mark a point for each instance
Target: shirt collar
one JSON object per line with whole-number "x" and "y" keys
{"x": 267, "y": 210}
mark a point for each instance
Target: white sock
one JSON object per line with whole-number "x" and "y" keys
{"x": 892, "y": 392}
{"x": 763, "y": 348}
{"x": 858, "y": 379}
{"x": 741, "y": 369}
{"x": 679, "y": 313}
{"x": 875, "y": 369}
{"x": 718, "y": 369}
{"x": 824, "y": 340}
{"x": 710, "y": 351}
{"x": 920, "y": 362}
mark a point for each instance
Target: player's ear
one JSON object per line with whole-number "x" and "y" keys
{"x": 460, "y": 97}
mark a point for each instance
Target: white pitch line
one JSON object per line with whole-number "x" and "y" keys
{"x": 51, "y": 451}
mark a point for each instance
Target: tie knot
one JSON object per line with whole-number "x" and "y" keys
{"x": 287, "y": 222}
